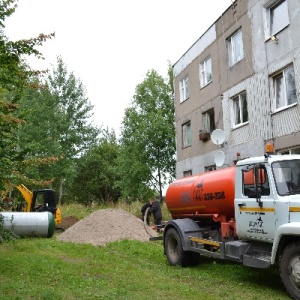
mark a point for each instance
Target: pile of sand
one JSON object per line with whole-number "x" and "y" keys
{"x": 107, "y": 225}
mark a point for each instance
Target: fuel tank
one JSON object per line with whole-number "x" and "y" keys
{"x": 203, "y": 195}
{"x": 39, "y": 224}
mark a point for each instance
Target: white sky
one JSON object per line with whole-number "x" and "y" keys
{"x": 110, "y": 45}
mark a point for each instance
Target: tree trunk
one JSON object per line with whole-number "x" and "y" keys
{"x": 159, "y": 176}
{"x": 60, "y": 191}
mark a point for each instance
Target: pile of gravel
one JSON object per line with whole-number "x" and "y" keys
{"x": 107, "y": 225}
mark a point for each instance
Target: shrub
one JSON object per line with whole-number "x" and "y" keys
{"x": 6, "y": 234}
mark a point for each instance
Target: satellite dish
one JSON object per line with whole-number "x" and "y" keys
{"x": 219, "y": 157}
{"x": 218, "y": 136}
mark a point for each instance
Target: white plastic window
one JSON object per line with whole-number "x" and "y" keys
{"x": 240, "y": 109}
{"x": 184, "y": 89}
{"x": 285, "y": 88}
{"x": 235, "y": 48}
{"x": 205, "y": 72}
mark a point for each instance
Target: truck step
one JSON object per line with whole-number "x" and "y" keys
{"x": 257, "y": 260}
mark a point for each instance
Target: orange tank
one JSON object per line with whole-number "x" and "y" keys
{"x": 207, "y": 194}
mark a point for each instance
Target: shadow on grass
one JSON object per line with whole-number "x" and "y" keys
{"x": 240, "y": 275}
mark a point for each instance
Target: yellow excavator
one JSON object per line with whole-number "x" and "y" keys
{"x": 41, "y": 200}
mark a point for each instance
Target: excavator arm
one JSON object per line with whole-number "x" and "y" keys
{"x": 27, "y": 195}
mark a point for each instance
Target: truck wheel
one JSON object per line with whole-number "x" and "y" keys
{"x": 175, "y": 253}
{"x": 290, "y": 269}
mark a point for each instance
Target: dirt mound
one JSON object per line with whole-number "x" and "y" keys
{"x": 68, "y": 221}
{"x": 107, "y": 225}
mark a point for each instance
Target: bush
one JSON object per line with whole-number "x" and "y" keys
{"x": 6, "y": 234}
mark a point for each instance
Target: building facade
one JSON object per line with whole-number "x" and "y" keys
{"x": 240, "y": 76}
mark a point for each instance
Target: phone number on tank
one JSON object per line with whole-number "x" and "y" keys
{"x": 214, "y": 196}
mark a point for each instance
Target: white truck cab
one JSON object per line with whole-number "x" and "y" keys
{"x": 272, "y": 200}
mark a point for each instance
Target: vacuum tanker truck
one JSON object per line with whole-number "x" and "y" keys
{"x": 248, "y": 213}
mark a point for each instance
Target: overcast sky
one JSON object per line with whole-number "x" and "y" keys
{"x": 110, "y": 45}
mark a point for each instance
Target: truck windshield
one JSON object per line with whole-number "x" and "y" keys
{"x": 287, "y": 177}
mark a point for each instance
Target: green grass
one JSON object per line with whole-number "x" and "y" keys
{"x": 37, "y": 268}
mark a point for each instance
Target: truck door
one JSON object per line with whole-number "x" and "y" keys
{"x": 255, "y": 205}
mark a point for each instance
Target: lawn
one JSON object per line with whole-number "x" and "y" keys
{"x": 48, "y": 269}
{"x": 37, "y": 268}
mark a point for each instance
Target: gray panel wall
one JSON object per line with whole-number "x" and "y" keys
{"x": 263, "y": 57}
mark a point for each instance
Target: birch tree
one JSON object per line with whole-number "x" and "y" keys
{"x": 147, "y": 159}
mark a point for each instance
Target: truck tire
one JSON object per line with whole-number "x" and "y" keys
{"x": 290, "y": 269}
{"x": 175, "y": 253}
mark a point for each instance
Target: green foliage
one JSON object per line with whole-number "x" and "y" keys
{"x": 46, "y": 138}
{"x": 76, "y": 131}
{"x": 8, "y": 127}
{"x": 95, "y": 173}
{"x": 14, "y": 79}
{"x": 147, "y": 158}
{"x": 57, "y": 128}
{"x": 7, "y": 7}
{"x": 38, "y": 137}
{"x": 6, "y": 235}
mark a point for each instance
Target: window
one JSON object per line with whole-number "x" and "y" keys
{"x": 210, "y": 168}
{"x": 184, "y": 89}
{"x": 235, "y": 48}
{"x": 186, "y": 134}
{"x": 287, "y": 177}
{"x": 240, "y": 110}
{"x": 284, "y": 88}
{"x": 255, "y": 178}
{"x": 205, "y": 72}
{"x": 290, "y": 151}
{"x": 187, "y": 173}
{"x": 209, "y": 121}
{"x": 278, "y": 16}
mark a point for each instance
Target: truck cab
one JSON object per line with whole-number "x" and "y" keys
{"x": 267, "y": 195}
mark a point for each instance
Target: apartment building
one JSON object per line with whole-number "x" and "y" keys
{"x": 240, "y": 76}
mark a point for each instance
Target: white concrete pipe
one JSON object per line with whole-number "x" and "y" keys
{"x": 39, "y": 224}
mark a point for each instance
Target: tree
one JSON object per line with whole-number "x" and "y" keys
{"x": 14, "y": 75}
{"x": 95, "y": 176}
{"x": 39, "y": 137}
{"x": 58, "y": 124}
{"x": 75, "y": 129}
{"x": 147, "y": 159}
